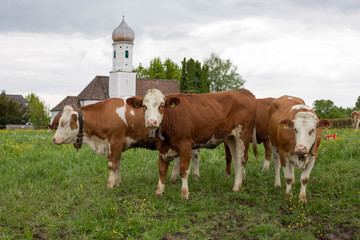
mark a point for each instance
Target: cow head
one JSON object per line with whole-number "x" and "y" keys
{"x": 154, "y": 104}
{"x": 68, "y": 128}
{"x": 305, "y": 126}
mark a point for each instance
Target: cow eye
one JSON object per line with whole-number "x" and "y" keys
{"x": 161, "y": 107}
{"x": 312, "y": 131}
{"x": 63, "y": 123}
{"x": 295, "y": 130}
{"x": 145, "y": 108}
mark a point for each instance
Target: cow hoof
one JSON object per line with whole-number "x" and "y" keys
{"x": 289, "y": 194}
{"x": 303, "y": 198}
{"x": 159, "y": 194}
{"x": 196, "y": 177}
{"x": 185, "y": 194}
{"x": 173, "y": 180}
{"x": 236, "y": 189}
{"x": 227, "y": 175}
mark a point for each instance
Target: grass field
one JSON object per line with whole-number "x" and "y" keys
{"x": 53, "y": 192}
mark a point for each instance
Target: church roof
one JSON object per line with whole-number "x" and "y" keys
{"x": 165, "y": 86}
{"x": 97, "y": 89}
{"x": 123, "y": 33}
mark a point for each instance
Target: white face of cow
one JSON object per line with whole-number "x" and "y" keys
{"x": 305, "y": 124}
{"x": 154, "y": 103}
{"x": 68, "y": 128}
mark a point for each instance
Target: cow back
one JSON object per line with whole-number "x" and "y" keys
{"x": 201, "y": 117}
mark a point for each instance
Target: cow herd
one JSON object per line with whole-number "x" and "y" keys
{"x": 178, "y": 125}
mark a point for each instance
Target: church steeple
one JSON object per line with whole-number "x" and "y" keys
{"x": 122, "y": 80}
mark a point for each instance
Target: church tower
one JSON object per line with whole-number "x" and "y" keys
{"x": 122, "y": 80}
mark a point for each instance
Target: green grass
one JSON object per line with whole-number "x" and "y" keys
{"x": 53, "y": 192}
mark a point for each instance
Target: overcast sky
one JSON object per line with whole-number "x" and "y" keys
{"x": 305, "y": 48}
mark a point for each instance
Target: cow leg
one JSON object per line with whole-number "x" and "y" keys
{"x": 267, "y": 155}
{"x": 277, "y": 166}
{"x": 289, "y": 176}
{"x": 175, "y": 173}
{"x": 237, "y": 152}
{"x": 305, "y": 175}
{"x": 185, "y": 155}
{"x": 114, "y": 167}
{"x": 163, "y": 168}
{"x": 228, "y": 159}
{"x": 195, "y": 156}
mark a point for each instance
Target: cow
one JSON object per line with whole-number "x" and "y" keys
{"x": 109, "y": 127}
{"x": 260, "y": 134}
{"x": 261, "y": 129}
{"x": 355, "y": 119}
{"x": 190, "y": 121}
{"x": 295, "y": 135}
{"x": 55, "y": 123}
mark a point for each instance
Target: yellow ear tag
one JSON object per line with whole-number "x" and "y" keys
{"x": 172, "y": 105}
{"x": 286, "y": 126}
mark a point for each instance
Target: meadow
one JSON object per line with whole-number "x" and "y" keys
{"x": 54, "y": 192}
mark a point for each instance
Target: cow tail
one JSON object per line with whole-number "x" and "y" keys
{"x": 254, "y": 143}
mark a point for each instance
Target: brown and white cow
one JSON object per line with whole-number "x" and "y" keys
{"x": 295, "y": 135}
{"x": 261, "y": 134}
{"x": 355, "y": 119}
{"x": 109, "y": 128}
{"x": 190, "y": 121}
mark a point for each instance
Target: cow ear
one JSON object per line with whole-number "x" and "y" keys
{"x": 74, "y": 118}
{"x": 286, "y": 124}
{"x": 135, "y": 102}
{"x": 323, "y": 124}
{"x": 172, "y": 102}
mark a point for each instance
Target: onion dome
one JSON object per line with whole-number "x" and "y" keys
{"x": 123, "y": 33}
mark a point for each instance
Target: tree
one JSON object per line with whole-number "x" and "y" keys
{"x": 194, "y": 78}
{"x": 39, "y": 112}
{"x": 171, "y": 70}
{"x": 222, "y": 74}
{"x": 159, "y": 70}
{"x": 323, "y": 107}
{"x": 357, "y": 104}
{"x": 11, "y": 112}
{"x": 327, "y": 109}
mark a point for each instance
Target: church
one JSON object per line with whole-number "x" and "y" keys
{"x": 122, "y": 81}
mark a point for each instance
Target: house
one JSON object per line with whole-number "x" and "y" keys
{"x": 17, "y": 98}
{"x": 122, "y": 81}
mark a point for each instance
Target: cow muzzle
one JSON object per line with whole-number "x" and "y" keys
{"x": 151, "y": 123}
{"x": 56, "y": 141}
{"x": 300, "y": 149}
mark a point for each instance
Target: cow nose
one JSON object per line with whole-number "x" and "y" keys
{"x": 54, "y": 141}
{"x": 152, "y": 123}
{"x": 300, "y": 149}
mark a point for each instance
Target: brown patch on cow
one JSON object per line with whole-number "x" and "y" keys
{"x": 73, "y": 122}
{"x": 304, "y": 181}
{"x": 289, "y": 180}
{"x": 161, "y": 108}
{"x": 135, "y": 102}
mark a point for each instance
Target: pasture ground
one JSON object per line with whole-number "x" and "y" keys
{"x": 53, "y": 192}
